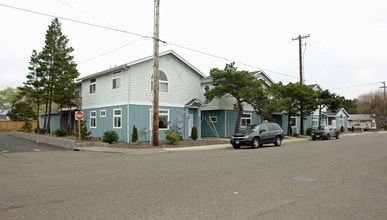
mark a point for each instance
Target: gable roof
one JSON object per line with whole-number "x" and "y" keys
{"x": 330, "y": 113}
{"x": 127, "y": 65}
{"x": 360, "y": 117}
{"x": 315, "y": 87}
{"x": 260, "y": 74}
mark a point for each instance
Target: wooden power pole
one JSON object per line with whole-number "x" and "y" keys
{"x": 299, "y": 38}
{"x": 384, "y": 102}
{"x": 156, "y": 39}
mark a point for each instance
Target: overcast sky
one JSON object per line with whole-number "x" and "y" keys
{"x": 345, "y": 53}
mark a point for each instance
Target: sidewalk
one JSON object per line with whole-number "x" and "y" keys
{"x": 180, "y": 149}
{"x": 288, "y": 139}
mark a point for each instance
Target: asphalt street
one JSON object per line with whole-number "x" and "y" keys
{"x": 336, "y": 179}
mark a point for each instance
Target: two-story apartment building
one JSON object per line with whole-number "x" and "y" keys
{"x": 122, "y": 97}
{"x": 219, "y": 116}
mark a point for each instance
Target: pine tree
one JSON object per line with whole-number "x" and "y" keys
{"x": 58, "y": 70}
{"x": 33, "y": 88}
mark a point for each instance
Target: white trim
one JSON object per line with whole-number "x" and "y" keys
{"x": 93, "y": 117}
{"x": 100, "y": 113}
{"x": 119, "y": 116}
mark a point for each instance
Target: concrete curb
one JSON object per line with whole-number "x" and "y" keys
{"x": 104, "y": 147}
{"x": 58, "y": 142}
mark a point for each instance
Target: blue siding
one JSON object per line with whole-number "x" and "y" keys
{"x": 140, "y": 117}
{"x": 104, "y": 124}
{"x": 225, "y": 124}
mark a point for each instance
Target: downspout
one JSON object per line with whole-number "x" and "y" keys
{"x": 127, "y": 110}
{"x": 225, "y": 124}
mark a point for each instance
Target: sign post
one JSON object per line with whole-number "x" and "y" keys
{"x": 79, "y": 117}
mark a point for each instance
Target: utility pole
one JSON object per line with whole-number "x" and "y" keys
{"x": 299, "y": 38}
{"x": 384, "y": 100}
{"x": 156, "y": 39}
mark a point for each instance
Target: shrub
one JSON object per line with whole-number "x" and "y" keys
{"x": 40, "y": 130}
{"x": 295, "y": 134}
{"x": 84, "y": 132}
{"x": 110, "y": 137}
{"x": 68, "y": 129}
{"x": 172, "y": 137}
{"x": 194, "y": 133}
{"x": 134, "y": 134}
{"x": 27, "y": 126}
{"x": 60, "y": 132}
{"x": 309, "y": 131}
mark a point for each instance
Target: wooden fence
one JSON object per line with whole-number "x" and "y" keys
{"x": 15, "y": 125}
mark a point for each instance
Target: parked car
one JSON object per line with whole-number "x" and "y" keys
{"x": 257, "y": 135}
{"x": 325, "y": 133}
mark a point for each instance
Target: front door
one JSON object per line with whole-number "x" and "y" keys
{"x": 190, "y": 124}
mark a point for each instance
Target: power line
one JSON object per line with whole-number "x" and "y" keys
{"x": 148, "y": 37}
{"x": 76, "y": 21}
{"x": 354, "y": 86}
{"x": 110, "y": 51}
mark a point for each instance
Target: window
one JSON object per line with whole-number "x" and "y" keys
{"x": 93, "y": 119}
{"x": 163, "y": 82}
{"x": 93, "y": 86}
{"x": 245, "y": 120}
{"x": 102, "y": 113}
{"x": 163, "y": 118}
{"x": 117, "y": 80}
{"x": 117, "y": 118}
{"x": 206, "y": 88}
{"x": 77, "y": 93}
{"x": 213, "y": 119}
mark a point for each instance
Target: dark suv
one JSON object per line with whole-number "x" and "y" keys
{"x": 257, "y": 135}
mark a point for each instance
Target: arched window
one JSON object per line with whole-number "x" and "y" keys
{"x": 163, "y": 82}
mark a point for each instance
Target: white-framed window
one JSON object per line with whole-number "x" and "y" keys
{"x": 93, "y": 119}
{"x": 117, "y": 118}
{"x": 102, "y": 113}
{"x": 93, "y": 86}
{"x": 163, "y": 119}
{"x": 245, "y": 119}
{"x": 117, "y": 80}
{"x": 163, "y": 82}
{"x": 213, "y": 119}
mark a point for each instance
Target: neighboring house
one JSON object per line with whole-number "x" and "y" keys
{"x": 219, "y": 116}
{"x": 122, "y": 97}
{"x": 337, "y": 119}
{"x": 364, "y": 121}
{"x": 3, "y": 113}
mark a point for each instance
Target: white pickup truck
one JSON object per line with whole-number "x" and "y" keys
{"x": 325, "y": 133}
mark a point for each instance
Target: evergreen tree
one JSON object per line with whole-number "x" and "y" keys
{"x": 295, "y": 99}
{"x": 134, "y": 134}
{"x": 57, "y": 70}
{"x": 33, "y": 88}
{"x": 238, "y": 84}
{"x": 330, "y": 100}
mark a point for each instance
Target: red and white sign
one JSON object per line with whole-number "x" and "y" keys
{"x": 78, "y": 115}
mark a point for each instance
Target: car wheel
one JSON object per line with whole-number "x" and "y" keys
{"x": 255, "y": 143}
{"x": 313, "y": 138}
{"x": 278, "y": 141}
{"x": 337, "y": 135}
{"x": 236, "y": 146}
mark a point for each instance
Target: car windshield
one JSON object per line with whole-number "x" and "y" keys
{"x": 250, "y": 128}
{"x": 321, "y": 128}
